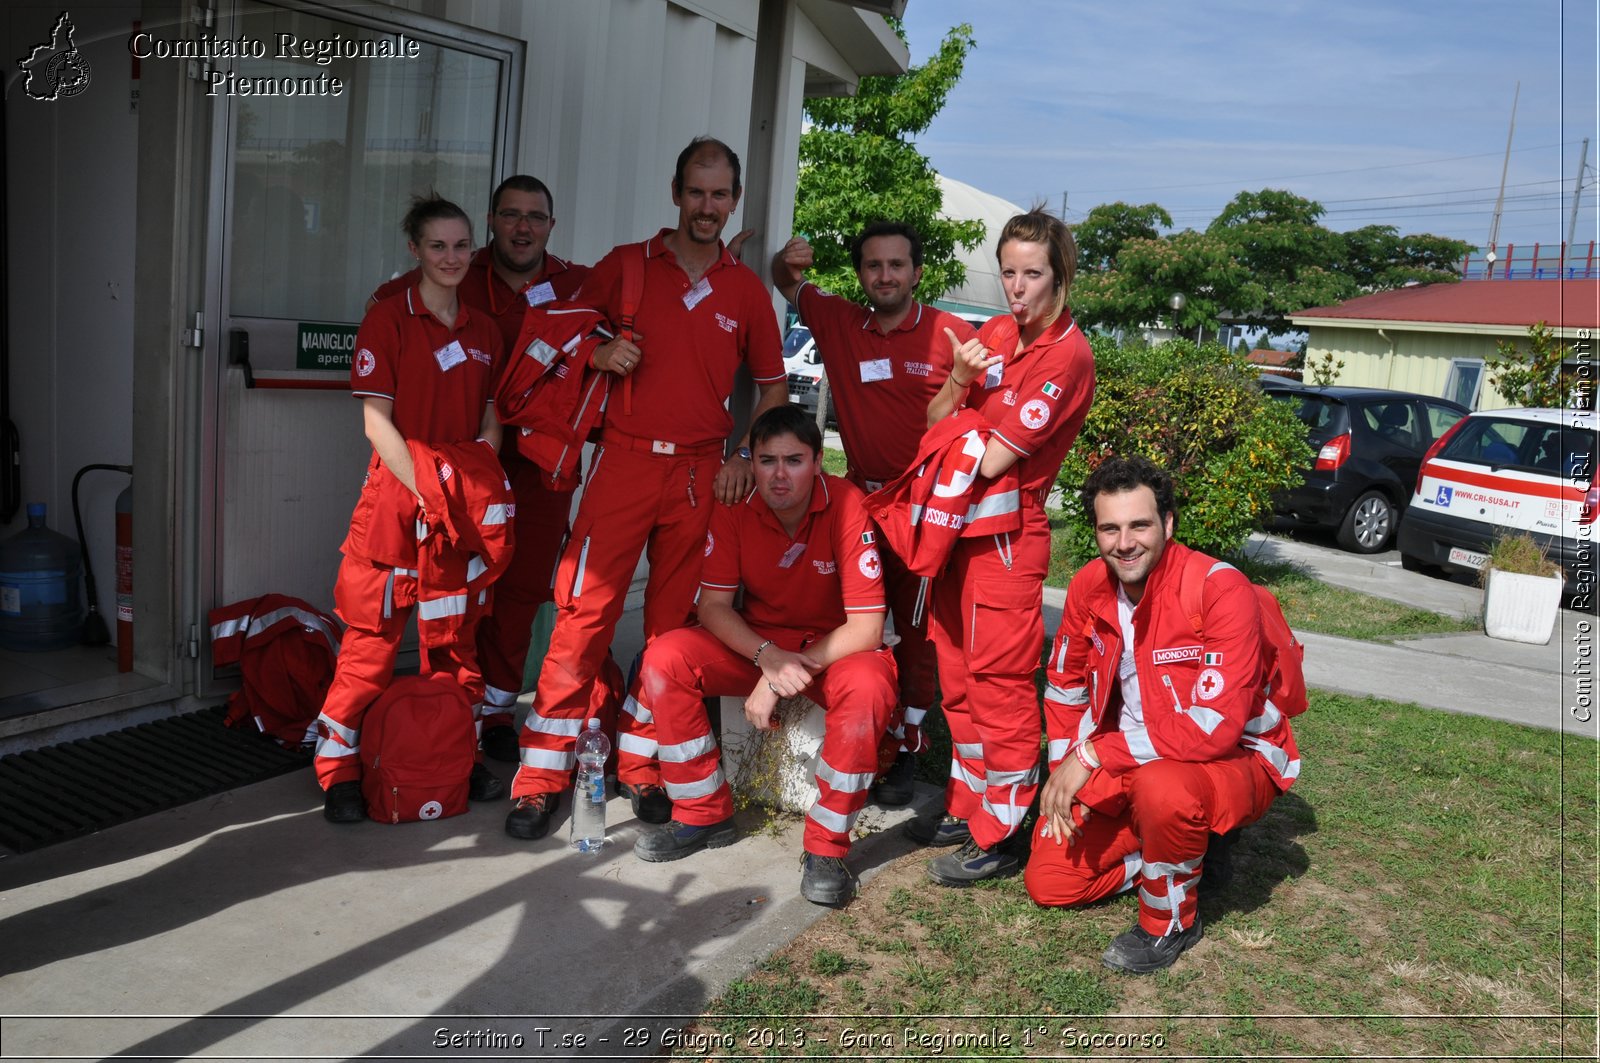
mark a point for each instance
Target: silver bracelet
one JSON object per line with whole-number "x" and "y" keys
{"x": 755, "y": 658}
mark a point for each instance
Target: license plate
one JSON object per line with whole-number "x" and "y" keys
{"x": 1470, "y": 558}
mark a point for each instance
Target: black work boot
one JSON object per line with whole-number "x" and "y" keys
{"x": 1140, "y": 952}
{"x": 343, "y": 803}
{"x": 899, "y": 784}
{"x": 484, "y": 785}
{"x": 678, "y": 840}
{"x": 826, "y": 880}
{"x": 938, "y": 830}
{"x": 973, "y": 863}
{"x": 650, "y": 803}
{"x": 529, "y": 818}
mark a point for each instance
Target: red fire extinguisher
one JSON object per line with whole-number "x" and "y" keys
{"x": 125, "y": 580}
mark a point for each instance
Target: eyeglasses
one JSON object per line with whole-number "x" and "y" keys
{"x": 532, "y": 217}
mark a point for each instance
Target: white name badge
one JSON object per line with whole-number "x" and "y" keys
{"x": 877, "y": 369}
{"x": 692, "y": 297}
{"x": 791, "y": 555}
{"x": 449, "y": 356}
{"x": 991, "y": 378}
{"x": 1125, "y": 667}
{"x": 540, "y": 294}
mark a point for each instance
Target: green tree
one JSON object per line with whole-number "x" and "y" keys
{"x": 1197, "y": 412}
{"x": 1105, "y": 229}
{"x": 1148, "y": 272}
{"x": 857, "y": 166}
{"x": 1532, "y": 376}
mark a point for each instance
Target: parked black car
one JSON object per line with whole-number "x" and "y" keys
{"x": 1369, "y": 444}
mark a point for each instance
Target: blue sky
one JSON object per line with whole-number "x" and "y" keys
{"x": 1386, "y": 113}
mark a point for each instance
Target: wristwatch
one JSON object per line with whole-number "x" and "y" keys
{"x": 742, "y": 452}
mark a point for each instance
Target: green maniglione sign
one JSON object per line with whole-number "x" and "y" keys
{"x": 320, "y": 345}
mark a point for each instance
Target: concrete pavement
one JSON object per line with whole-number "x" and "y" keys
{"x": 244, "y": 925}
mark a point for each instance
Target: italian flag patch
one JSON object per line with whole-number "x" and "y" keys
{"x": 1051, "y": 390}
{"x": 1213, "y": 658}
{"x": 866, "y": 538}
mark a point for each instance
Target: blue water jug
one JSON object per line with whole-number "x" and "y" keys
{"x": 41, "y": 606}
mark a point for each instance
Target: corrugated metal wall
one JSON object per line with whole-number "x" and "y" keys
{"x": 1420, "y": 363}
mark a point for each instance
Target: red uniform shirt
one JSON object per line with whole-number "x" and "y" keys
{"x": 693, "y": 338}
{"x": 482, "y": 289}
{"x": 438, "y": 378}
{"x": 1038, "y": 399}
{"x": 805, "y": 583}
{"x": 881, "y": 384}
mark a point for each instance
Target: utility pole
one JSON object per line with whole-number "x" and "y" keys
{"x": 1494, "y": 226}
{"x": 1577, "y": 197}
{"x": 1064, "y": 202}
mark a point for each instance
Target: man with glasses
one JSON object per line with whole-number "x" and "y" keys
{"x": 511, "y": 273}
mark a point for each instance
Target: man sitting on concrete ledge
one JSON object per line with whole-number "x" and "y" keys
{"x": 1161, "y": 734}
{"x": 811, "y": 623}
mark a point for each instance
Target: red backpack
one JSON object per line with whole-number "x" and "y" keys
{"x": 1283, "y": 656}
{"x": 550, "y": 392}
{"x": 418, "y": 744}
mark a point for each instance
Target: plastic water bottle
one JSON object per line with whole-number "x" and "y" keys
{"x": 589, "y": 794}
{"x": 41, "y": 604}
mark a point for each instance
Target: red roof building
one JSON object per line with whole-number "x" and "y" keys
{"x": 1434, "y": 338}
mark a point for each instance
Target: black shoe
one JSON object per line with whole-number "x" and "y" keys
{"x": 1140, "y": 952}
{"x": 501, "y": 744}
{"x": 650, "y": 802}
{"x": 972, "y": 863}
{"x": 678, "y": 840}
{"x": 484, "y": 785}
{"x": 1217, "y": 871}
{"x": 899, "y": 784}
{"x": 825, "y": 880}
{"x": 940, "y": 830}
{"x": 529, "y": 818}
{"x": 343, "y": 803}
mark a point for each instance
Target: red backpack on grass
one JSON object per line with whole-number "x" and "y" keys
{"x": 418, "y": 744}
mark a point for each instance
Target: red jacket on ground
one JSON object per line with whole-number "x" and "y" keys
{"x": 285, "y": 648}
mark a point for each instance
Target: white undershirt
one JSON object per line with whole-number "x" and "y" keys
{"x": 1132, "y": 704}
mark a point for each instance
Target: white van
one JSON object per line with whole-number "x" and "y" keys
{"x": 1519, "y": 470}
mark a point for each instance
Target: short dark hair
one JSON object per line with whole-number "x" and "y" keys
{"x": 787, "y": 420}
{"x": 430, "y": 206}
{"x": 887, "y": 228}
{"x": 1116, "y": 475}
{"x": 709, "y": 146}
{"x": 521, "y": 182}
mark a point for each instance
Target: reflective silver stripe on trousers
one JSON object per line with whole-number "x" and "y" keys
{"x": 966, "y": 778}
{"x": 562, "y": 726}
{"x": 1066, "y": 695}
{"x": 551, "y": 759}
{"x": 1204, "y": 718}
{"x": 969, "y": 750}
{"x": 1061, "y": 655}
{"x": 1131, "y": 866}
{"x": 844, "y": 782}
{"x": 638, "y": 745}
{"x": 583, "y": 556}
{"x": 682, "y": 791}
{"x": 914, "y": 716}
{"x": 1156, "y": 869}
{"x": 1274, "y": 754}
{"x": 633, "y": 707}
{"x": 831, "y": 819}
{"x": 339, "y": 741}
{"x": 496, "y": 698}
{"x": 439, "y": 608}
{"x": 683, "y": 752}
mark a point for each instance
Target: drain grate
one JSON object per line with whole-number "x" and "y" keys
{"x": 49, "y": 795}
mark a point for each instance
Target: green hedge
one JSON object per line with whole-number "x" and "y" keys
{"x": 1197, "y": 412}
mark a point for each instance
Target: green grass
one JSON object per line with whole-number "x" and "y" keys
{"x": 1432, "y": 876}
{"x": 833, "y": 462}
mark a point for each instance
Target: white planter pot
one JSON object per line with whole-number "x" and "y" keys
{"x": 1521, "y": 608}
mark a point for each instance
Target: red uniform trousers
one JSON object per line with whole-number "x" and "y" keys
{"x": 635, "y": 501}
{"x": 375, "y": 601}
{"x": 503, "y": 635}
{"x": 683, "y": 667}
{"x": 988, "y": 628}
{"x": 1151, "y": 825}
{"x": 914, "y": 654}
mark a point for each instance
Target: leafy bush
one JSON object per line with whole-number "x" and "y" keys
{"x": 1197, "y": 412}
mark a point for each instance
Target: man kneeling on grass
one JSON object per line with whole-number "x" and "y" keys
{"x": 1160, "y": 732}
{"x": 801, "y": 546}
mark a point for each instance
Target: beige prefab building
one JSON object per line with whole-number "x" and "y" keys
{"x": 1436, "y": 339}
{"x": 201, "y": 195}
